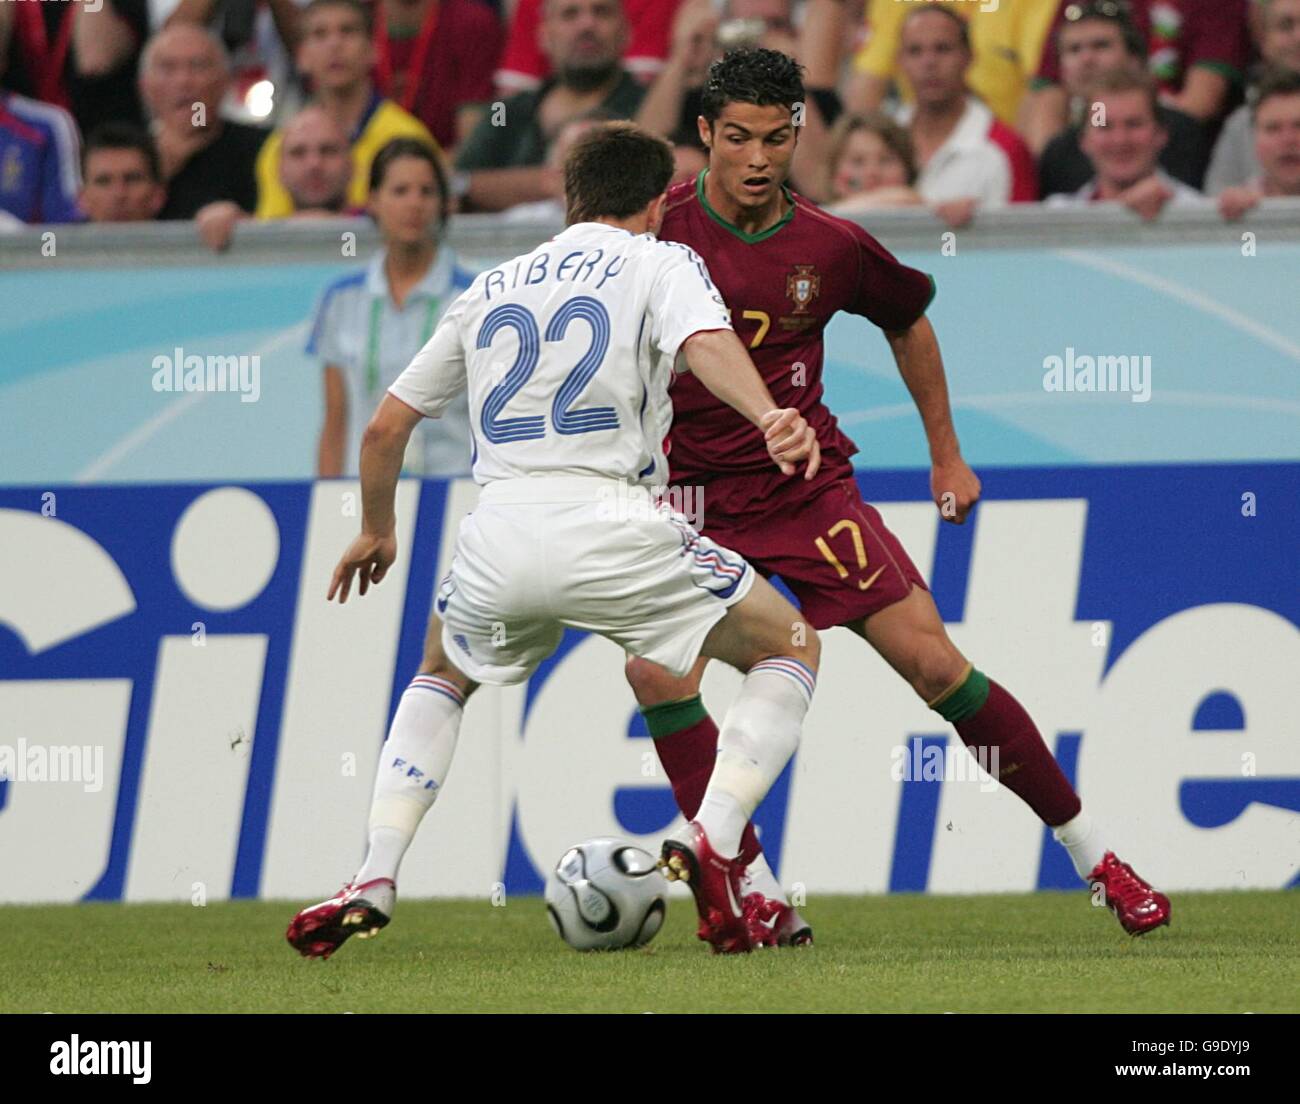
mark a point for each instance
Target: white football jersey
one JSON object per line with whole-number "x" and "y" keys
{"x": 568, "y": 353}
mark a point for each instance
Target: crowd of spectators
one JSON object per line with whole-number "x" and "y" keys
{"x": 218, "y": 111}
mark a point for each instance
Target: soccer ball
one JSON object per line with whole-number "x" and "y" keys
{"x": 605, "y": 894}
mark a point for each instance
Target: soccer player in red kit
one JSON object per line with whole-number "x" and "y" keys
{"x": 784, "y": 267}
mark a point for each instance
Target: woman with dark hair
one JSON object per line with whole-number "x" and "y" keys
{"x": 371, "y": 323}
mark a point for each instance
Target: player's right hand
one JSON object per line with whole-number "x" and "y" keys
{"x": 791, "y": 439}
{"x": 371, "y": 556}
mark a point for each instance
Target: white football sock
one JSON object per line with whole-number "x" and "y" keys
{"x": 757, "y": 737}
{"x": 413, "y": 766}
{"x": 760, "y": 879}
{"x": 1082, "y": 840}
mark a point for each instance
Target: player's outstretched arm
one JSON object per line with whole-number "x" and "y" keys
{"x": 954, "y": 486}
{"x": 720, "y": 363}
{"x": 382, "y": 450}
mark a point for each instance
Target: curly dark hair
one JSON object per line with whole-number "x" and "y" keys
{"x": 751, "y": 75}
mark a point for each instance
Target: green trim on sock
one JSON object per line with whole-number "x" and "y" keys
{"x": 967, "y": 700}
{"x": 669, "y": 717}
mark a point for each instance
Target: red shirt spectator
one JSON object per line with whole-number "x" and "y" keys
{"x": 454, "y": 44}
{"x": 524, "y": 66}
{"x": 1181, "y": 36}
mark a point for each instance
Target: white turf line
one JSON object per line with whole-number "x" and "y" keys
{"x": 120, "y": 450}
{"x": 1187, "y": 295}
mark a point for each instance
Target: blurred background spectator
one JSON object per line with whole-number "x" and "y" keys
{"x": 1123, "y": 139}
{"x": 261, "y": 37}
{"x": 76, "y": 56}
{"x": 1276, "y": 114}
{"x": 503, "y": 162}
{"x": 1197, "y": 51}
{"x": 870, "y": 165}
{"x": 1006, "y": 42}
{"x": 435, "y": 59}
{"x": 526, "y": 63}
{"x": 1234, "y": 161}
{"x": 184, "y": 74}
{"x": 967, "y": 158}
{"x": 315, "y": 169}
{"x": 121, "y": 179}
{"x": 40, "y": 173}
{"x": 1100, "y": 38}
{"x": 371, "y": 323}
{"x": 336, "y": 55}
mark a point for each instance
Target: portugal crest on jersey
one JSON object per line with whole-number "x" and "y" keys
{"x": 802, "y": 287}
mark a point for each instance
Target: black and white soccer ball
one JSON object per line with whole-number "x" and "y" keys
{"x": 605, "y": 894}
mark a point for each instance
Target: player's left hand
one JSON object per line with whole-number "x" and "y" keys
{"x": 954, "y": 488}
{"x": 371, "y": 556}
{"x": 791, "y": 439}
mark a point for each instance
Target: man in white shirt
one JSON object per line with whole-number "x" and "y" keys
{"x": 568, "y": 353}
{"x": 1123, "y": 137}
{"x": 967, "y": 158}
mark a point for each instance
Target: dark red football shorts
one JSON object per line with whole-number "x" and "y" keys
{"x": 830, "y": 547}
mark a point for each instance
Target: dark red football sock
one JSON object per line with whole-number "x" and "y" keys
{"x": 687, "y": 742}
{"x": 986, "y": 717}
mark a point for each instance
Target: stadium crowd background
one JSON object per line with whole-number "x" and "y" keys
{"x": 220, "y": 110}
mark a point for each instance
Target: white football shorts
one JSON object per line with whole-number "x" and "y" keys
{"x": 545, "y": 552}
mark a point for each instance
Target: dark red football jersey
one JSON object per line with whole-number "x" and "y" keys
{"x": 783, "y": 286}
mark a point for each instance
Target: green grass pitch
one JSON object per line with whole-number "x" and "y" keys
{"x": 1048, "y": 952}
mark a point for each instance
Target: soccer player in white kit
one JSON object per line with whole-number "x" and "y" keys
{"x": 568, "y": 353}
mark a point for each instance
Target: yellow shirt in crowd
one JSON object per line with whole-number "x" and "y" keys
{"x": 383, "y": 122}
{"x": 1006, "y": 42}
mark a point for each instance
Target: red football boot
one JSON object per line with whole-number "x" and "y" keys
{"x": 715, "y": 882}
{"x": 1136, "y": 906}
{"x": 773, "y": 923}
{"x": 360, "y": 910}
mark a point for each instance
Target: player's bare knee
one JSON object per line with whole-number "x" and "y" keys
{"x": 937, "y": 666}
{"x": 654, "y": 685}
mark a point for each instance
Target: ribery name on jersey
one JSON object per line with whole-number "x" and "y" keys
{"x": 578, "y": 266}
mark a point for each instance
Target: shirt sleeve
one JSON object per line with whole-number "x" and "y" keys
{"x": 61, "y": 175}
{"x": 323, "y": 342}
{"x": 889, "y": 293}
{"x": 1217, "y": 38}
{"x": 879, "y": 53}
{"x": 1049, "y": 63}
{"x": 523, "y": 59}
{"x": 437, "y": 374}
{"x": 683, "y": 301}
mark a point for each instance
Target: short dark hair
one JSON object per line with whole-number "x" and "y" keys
{"x": 963, "y": 29}
{"x": 1114, "y": 12}
{"x": 751, "y": 75}
{"x": 614, "y": 171}
{"x": 1273, "y": 82}
{"x": 363, "y": 10}
{"x": 399, "y": 148}
{"x": 122, "y": 136}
